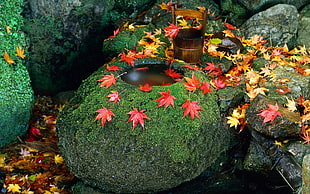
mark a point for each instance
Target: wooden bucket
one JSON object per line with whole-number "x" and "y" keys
{"x": 188, "y": 45}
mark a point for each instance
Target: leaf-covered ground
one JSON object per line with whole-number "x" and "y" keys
{"x": 33, "y": 163}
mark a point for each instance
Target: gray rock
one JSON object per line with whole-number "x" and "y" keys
{"x": 256, "y": 5}
{"x": 299, "y": 84}
{"x": 277, "y": 24}
{"x": 306, "y": 174}
{"x": 304, "y": 28}
{"x": 288, "y": 125}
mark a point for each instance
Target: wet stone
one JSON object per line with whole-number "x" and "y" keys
{"x": 281, "y": 127}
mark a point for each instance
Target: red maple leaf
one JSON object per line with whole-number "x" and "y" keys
{"x": 229, "y": 26}
{"x": 166, "y": 99}
{"x": 145, "y": 88}
{"x": 129, "y": 58}
{"x": 105, "y": 115}
{"x": 114, "y": 97}
{"x": 270, "y": 113}
{"x": 192, "y": 83}
{"x": 283, "y": 90}
{"x": 113, "y": 68}
{"x": 108, "y": 80}
{"x": 211, "y": 67}
{"x": 172, "y": 31}
{"x": 205, "y": 87}
{"x": 165, "y": 84}
{"x": 173, "y": 74}
{"x": 115, "y": 32}
{"x": 34, "y": 134}
{"x": 219, "y": 83}
{"x": 137, "y": 117}
{"x": 190, "y": 67}
{"x": 191, "y": 108}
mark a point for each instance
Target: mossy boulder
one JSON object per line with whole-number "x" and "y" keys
{"x": 171, "y": 149}
{"x": 16, "y": 95}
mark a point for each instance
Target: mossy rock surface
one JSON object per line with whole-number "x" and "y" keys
{"x": 169, "y": 151}
{"x": 16, "y": 95}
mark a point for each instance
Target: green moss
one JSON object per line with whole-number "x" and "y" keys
{"x": 170, "y": 148}
{"x": 125, "y": 39}
{"x": 44, "y": 33}
{"x": 16, "y": 95}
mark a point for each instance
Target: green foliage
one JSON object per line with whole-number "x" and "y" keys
{"x": 16, "y": 95}
{"x": 234, "y": 12}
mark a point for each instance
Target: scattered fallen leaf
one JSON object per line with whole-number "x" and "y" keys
{"x": 270, "y": 113}
{"x": 108, "y": 80}
{"x": 136, "y": 117}
{"x": 191, "y": 108}
{"x": 7, "y": 58}
{"x": 145, "y": 88}
{"x": 166, "y": 99}
{"x": 114, "y": 97}
{"x": 105, "y": 115}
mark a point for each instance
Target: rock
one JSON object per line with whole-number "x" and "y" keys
{"x": 258, "y": 5}
{"x": 298, "y": 84}
{"x": 234, "y": 12}
{"x": 281, "y": 127}
{"x": 277, "y": 24}
{"x": 268, "y": 153}
{"x": 16, "y": 95}
{"x": 66, "y": 38}
{"x": 304, "y": 28}
{"x": 116, "y": 157}
{"x": 306, "y": 174}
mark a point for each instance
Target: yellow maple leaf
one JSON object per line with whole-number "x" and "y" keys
{"x": 291, "y": 105}
{"x": 20, "y": 52}
{"x": 2, "y": 161}
{"x": 58, "y": 159}
{"x": 7, "y": 58}
{"x": 233, "y": 122}
{"x": 236, "y": 114}
{"x": 305, "y": 117}
{"x": 8, "y": 29}
{"x": 278, "y": 143}
{"x": 14, "y": 188}
{"x": 163, "y": 6}
{"x": 183, "y": 23}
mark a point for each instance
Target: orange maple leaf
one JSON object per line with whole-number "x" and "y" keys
{"x": 190, "y": 67}
{"x": 270, "y": 113}
{"x": 113, "y": 68}
{"x": 145, "y": 88}
{"x": 173, "y": 74}
{"x": 129, "y": 58}
{"x": 7, "y": 58}
{"x": 114, "y": 97}
{"x": 20, "y": 52}
{"x": 229, "y": 26}
{"x": 108, "y": 80}
{"x": 166, "y": 99}
{"x": 105, "y": 115}
{"x": 192, "y": 83}
{"x": 191, "y": 108}
{"x": 137, "y": 117}
{"x": 283, "y": 90}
